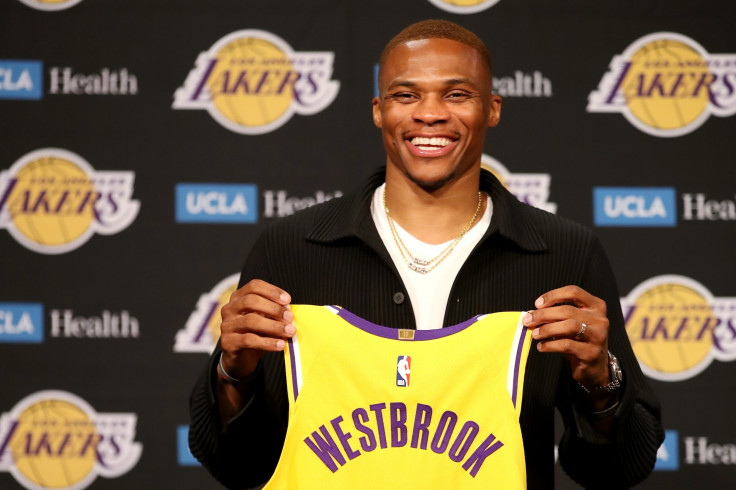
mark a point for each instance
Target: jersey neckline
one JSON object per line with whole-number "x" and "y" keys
{"x": 396, "y": 333}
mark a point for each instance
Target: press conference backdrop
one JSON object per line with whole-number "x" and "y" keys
{"x": 145, "y": 145}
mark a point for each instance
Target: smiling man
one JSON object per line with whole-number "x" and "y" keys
{"x": 428, "y": 243}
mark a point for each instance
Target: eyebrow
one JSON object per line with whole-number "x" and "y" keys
{"x": 448, "y": 82}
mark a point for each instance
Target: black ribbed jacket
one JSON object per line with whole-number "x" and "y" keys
{"x": 332, "y": 254}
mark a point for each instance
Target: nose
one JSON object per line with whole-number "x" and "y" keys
{"x": 430, "y": 110}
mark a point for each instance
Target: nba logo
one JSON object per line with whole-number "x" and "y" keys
{"x": 403, "y": 368}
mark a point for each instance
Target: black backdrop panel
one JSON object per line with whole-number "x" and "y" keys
{"x": 126, "y": 211}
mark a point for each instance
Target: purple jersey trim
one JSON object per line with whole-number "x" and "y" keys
{"x": 392, "y": 333}
{"x": 293, "y": 368}
{"x": 517, "y": 362}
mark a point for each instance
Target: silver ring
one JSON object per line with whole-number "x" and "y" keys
{"x": 582, "y": 331}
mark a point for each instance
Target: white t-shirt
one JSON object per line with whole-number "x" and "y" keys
{"x": 428, "y": 292}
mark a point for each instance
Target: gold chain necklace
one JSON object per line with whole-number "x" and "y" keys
{"x": 423, "y": 266}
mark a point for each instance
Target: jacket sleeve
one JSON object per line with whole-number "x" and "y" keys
{"x": 627, "y": 455}
{"x": 245, "y": 452}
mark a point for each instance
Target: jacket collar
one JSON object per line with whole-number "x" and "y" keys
{"x": 351, "y": 216}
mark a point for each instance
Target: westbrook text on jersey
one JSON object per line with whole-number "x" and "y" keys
{"x": 325, "y": 447}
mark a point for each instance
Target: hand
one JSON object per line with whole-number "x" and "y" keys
{"x": 256, "y": 320}
{"x": 558, "y": 328}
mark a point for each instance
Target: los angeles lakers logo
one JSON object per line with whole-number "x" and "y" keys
{"x": 202, "y": 330}
{"x": 51, "y": 4}
{"x": 667, "y": 85}
{"x": 677, "y": 328}
{"x": 463, "y": 6}
{"x": 532, "y": 189}
{"x": 54, "y": 439}
{"x": 252, "y": 82}
{"x": 52, "y": 201}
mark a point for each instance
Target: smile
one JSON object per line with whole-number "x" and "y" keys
{"x": 430, "y": 146}
{"x": 430, "y": 143}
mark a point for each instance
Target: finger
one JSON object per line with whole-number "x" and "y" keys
{"x": 569, "y": 294}
{"x": 567, "y": 328}
{"x": 264, "y": 289}
{"x": 233, "y": 344}
{"x": 535, "y": 318}
{"x": 253, "y": 323}
{"x": 253, "y": 303}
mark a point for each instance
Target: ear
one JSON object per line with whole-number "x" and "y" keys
{"x": 377, "y": 112}
{"x": 494, "y": 110}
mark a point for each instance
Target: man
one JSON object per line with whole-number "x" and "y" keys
{"x": 429, "y": 234}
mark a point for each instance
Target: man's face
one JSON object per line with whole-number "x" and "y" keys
{"x": 434, "y": 106}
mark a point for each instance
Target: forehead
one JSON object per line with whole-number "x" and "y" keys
{"x": 430, "y": 59}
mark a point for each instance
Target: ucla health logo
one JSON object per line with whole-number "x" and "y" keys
{"x": 183, "y": 453}
{"x": 634, "y": 206}
{"x": 532, "y": 189}
{"x": 52, "y": 201}
{"x": 463, "y": 6}
{"x": 21, "y": 79}
{"x": 252, "y": 82}
{"x": 50, "y": 4}
{"x": 21, "y": 323}
{"x": 55, "y": 439}
{"x": 403, "y": 370}
{"x": 667, "y": 85}
{"x": 216, "y": 203}
{"x": 677, "y": 328}
{"x": 202, "y": 330}
{"x": 668, "y": 454}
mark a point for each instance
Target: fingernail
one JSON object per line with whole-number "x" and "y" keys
{"x": 527, "y": 319}
{"x": 539, "y": 302}
{"x": 280, "y": 344}
{"x": 535, "y": 333}
{"x": 288, "y": 316}
{"x": 539, "y": 346}
{"x": 285, "y": 298}
{"x": 290, "y": 329}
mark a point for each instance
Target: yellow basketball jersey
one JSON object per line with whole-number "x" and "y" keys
{"x": 372, "y": 407}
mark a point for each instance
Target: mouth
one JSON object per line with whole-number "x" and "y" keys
{"x": 430, "y": 143}
{"x": 428, "y": 146}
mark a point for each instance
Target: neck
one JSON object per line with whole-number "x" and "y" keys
{"x": 437, "y": 215}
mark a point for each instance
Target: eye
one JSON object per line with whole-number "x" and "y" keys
{"x": 404, "y": 97}
{"x": 457, "y": 95}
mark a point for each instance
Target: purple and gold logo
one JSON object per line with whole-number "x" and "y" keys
{"x": 252, "y": 82}
{"x": 677, "y": 328}
{"x": 667, "y": 85}
{"x": 532, "y": 189}
{"x": 202, "y": 330}
{"x": 54, "y": 439}
{"x": 52, "y": 201}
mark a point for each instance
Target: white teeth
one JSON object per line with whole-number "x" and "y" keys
{"x": 430, "y": 143}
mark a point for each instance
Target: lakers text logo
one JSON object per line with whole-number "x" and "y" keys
{"x": 50, "y": 4}
{"x": 202, "y": 330}
{"x": 463, "y": 6}
{"x": 532, "y": 189}
{"x": 54, "y": 439}
{"x": 667, "y": 85}
{"x": 251, "y": 82}
{"x": 677, "y": 328}
{"x": 52, "y": 201}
